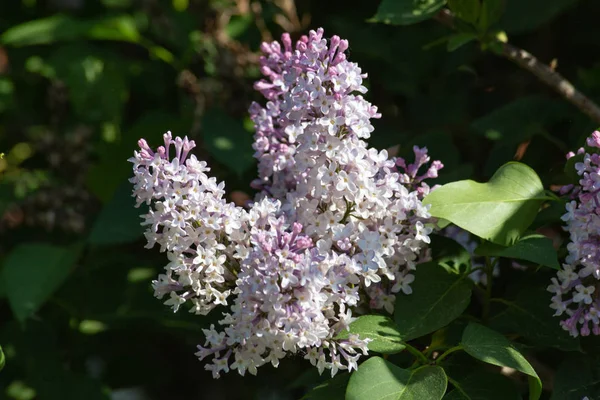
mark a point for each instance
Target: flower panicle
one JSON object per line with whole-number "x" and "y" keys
{"x": 576, "y": 286}
{"x": 336, "y": 229}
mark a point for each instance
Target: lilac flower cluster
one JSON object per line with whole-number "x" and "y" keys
{"x": 575, "y": 287}
{"x": 335, "y": 230}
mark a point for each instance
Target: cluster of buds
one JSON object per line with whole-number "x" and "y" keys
{"x": 577, "y": 284}
{"x": 335, "y": 230}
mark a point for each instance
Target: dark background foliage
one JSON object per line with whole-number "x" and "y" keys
{"x": 81, "y": 81}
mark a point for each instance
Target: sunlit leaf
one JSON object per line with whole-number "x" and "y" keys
{"x": 378, "y": 379}
{"x": 499, "y": 210}
{"x": 383, "y": 332}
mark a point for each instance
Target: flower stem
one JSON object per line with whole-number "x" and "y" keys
{"x": 420, "y": 356}
{"x": 447, "y": 353}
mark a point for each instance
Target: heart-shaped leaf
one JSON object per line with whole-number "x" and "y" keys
{"x": 378, "y": 379}
{"x": 499, "y": 210}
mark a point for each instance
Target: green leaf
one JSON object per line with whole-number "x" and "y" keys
{"x": 32, "y": 272}
{"x": 526, "y": 16}
{"x": 520, "y": 119}
{"x": 62, "y": 27}
{"x": 458, "y": 40}
{"x": 533, "y": 247}
{"x": 95, "y": 80}
{"x": 491, "y": 347}
{"x": 438, "y": 298}
{"x": 529, "y": 316}
{"x": 228, "y": 141}
{"x": 105, "y": 177}
{"x": 406, "y": 12}
{"x": 331, "y": 389}
{"x": 383, "y": 331}
{"x": 449, "y": 253}
{"x": 119, "y": 221}
{"x": 491, "y": 12}
{"x": 467, "y": 10}
{"x": 378, "y": 379}
{"x": 499, "y": 210}
{"x": 482, "y": 385}
{"x": 238, "y": 25}
{"x": 2, "y": 359}
{"x": 576, "y": 377}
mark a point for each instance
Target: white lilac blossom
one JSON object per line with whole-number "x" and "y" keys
{"x": 577, "y": 284}
{"x": 351, "y": 199}
{"x": 335, "y": 230}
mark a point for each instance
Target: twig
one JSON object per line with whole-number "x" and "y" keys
{"x": 447, "y": 353}
{"x": 543, "y": 72}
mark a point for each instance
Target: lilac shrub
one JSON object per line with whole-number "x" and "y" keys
{"x": 335, "y": 229}
{"x": 575, "y": 286}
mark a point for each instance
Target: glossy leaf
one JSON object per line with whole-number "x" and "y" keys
{"x": 533, "y": 247}
{"x": 382, "y": 330}
{"x": 491, "y": 347}
{"x": 406, "y": 12}
{"x": 438, "y": 297}
{"x": 499, "y": 210}
{"x": 378, "y": 379}
{"x": 32, "y": 272}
